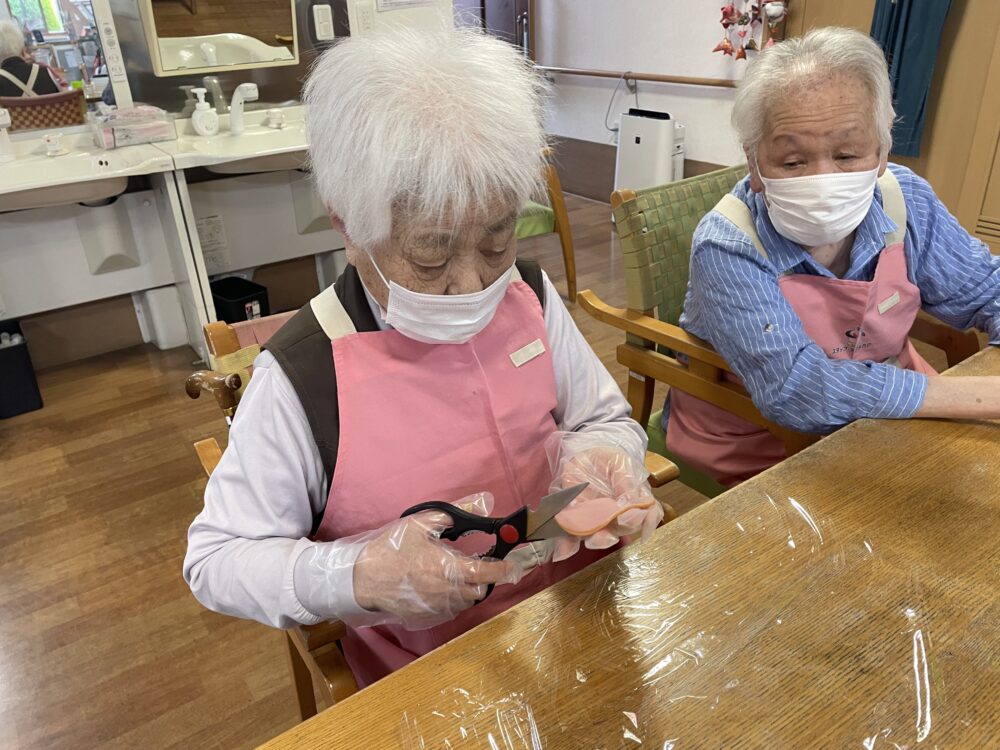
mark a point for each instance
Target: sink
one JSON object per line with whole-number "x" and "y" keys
{"x": 217, "y": 49}
{"x": 84, "y": 174}
{"x": 258, "y": 149}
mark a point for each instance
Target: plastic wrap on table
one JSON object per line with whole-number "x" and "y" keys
{"x": 661, "y": 663}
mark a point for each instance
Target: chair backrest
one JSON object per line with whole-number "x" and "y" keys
{"x": 655, "y": 227}
{"x": 233, "y": 349}
{"x": 61, "y": 110}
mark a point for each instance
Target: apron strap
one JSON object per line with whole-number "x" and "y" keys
{"x": 26, "y": 91}
{"x": 894, "y": 206}
{"x": 331, "y": 314}
{"x": 31, "y": 80}
{"x": 738, "y": 214}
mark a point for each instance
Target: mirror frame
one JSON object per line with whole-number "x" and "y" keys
{"x": 152, "y": 42}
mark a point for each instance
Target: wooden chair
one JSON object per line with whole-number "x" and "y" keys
{"x": 655, "y": 228}
{"x": 537, "y": 219}
{"x": 315, "y": 658}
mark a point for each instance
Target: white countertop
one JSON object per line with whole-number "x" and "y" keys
{"x": 49, "y": 180}
{"x": 256, "y": 142}
{"x": 83, "y": 161}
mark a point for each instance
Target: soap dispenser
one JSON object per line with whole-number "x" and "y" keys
{"x": 205, "y": 120}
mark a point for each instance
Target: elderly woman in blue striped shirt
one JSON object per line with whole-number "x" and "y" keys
{"x": 809, "y": 275}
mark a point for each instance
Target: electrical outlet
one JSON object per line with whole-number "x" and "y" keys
{"x": 366, "y": 16}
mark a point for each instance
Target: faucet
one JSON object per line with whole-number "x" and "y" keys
{"x": 244, "y": 92}
{"x": 208, "y": 52}
{"x": 215, "y": 89}
{"x": 6, "y": 152}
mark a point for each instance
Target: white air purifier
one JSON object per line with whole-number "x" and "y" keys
{"x": 650, "y": 150}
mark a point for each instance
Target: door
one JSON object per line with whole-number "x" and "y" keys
{"x": 469, "y": 13}
{"x": 510, "y": 20}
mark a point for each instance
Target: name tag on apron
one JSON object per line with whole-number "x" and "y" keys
{"x": 887, "y": 304}
{"x": 527, "y": 353}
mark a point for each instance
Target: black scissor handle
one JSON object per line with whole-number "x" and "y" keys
{"x": 462, "y": 522}
{"x": 508, "y": 532}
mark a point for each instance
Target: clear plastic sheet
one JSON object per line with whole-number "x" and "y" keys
{"x": 833, "y": 645}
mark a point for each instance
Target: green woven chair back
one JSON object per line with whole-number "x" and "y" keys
{"x": 655, "y": 230}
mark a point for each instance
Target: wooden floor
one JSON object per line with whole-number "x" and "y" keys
{"x": 102, "y": 643}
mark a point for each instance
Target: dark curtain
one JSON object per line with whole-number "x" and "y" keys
{"x": 909, "y": 32}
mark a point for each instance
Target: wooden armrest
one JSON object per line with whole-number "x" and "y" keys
{"x": 209, "y": 453}
{"x": 650, "y": 328}
{"x": 323, "y": 633}
{"x": 661, "y": 469}
{"x": 222, "y": 387}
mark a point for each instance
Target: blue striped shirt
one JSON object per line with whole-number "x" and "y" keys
{"x": 734, "y": 302}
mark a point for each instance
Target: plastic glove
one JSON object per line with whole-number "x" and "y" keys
{"x": 403, "y": 574}
{"x": 577, "y": 457}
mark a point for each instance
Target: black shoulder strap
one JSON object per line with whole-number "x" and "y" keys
{"x": 303, "y": 350}
{"x": 531, "y": 274}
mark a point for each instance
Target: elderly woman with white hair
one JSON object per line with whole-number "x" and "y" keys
{"x": 808, "y": 276}
{"x": 438, "y": 367}
{"x": 19, "y": 76}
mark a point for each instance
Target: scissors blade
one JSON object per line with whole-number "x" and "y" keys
{"x": 541, "y": 523}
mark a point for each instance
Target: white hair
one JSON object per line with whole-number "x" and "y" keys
{"x": 11, "y": 40}
{"x": 431, "y": 123}
{"x": 795, "y": 64}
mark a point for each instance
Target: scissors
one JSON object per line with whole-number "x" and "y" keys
{"x": 521, "y": 526}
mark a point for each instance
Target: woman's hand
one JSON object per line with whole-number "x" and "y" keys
{"x": 612, "y": 473}
{"x": 410, "y": 576}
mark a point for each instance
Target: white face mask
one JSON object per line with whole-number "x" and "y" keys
{"x": 819, "y": 209}
{"x": 443, "y": 318}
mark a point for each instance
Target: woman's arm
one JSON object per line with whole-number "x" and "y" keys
{"x": 259, "y": 508}
{"x": 962, "y": 398}
{"x": 735, "y": 303}
{"x": 959, "y": 278}
{"x": 588, "y": 398}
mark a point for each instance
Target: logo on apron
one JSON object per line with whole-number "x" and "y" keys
{"x": 853, "y": 343}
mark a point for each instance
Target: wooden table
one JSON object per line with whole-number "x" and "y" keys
{"x": 846, "y": 598}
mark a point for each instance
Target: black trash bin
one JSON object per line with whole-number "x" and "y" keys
{"x": 237, "y": 299}
{"x": 18, "y": 388}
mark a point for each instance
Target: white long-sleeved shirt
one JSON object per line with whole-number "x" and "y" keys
{"x": 264, "y": 495}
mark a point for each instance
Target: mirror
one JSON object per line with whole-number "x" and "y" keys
{"x": 187, "y": 37}
{"x": 61, "y": 54}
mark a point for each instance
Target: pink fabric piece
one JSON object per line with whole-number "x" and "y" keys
{"x": 842, "y": 317}
{"x": 258, "y": 331}
{"x": 439, "y": 422}
{"x": 586, "y": 517}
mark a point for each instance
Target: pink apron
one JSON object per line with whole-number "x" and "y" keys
{"x": 439, "y": 422}
{"x": 859, "y": 320}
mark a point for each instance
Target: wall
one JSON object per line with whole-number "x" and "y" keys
{"x": 957, "y": 90}
{"x": 673, "y": 37}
